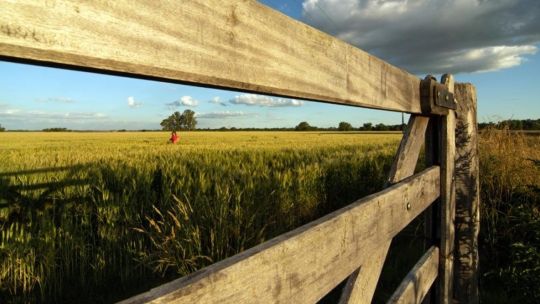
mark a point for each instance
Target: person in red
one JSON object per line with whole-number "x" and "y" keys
{"x": 174, "y": 138}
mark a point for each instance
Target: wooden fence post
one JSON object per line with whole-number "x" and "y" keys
{"x": 439, "y": 221}
{"x": 467, "y": 196}
{"x": 448, "y": 150}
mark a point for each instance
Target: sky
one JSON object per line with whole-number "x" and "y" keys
{"x": 490, "y": 43}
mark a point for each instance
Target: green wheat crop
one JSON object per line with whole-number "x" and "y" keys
{"x": 96, "y": 217}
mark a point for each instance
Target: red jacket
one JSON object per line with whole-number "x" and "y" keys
{"x": 174, "y": 138}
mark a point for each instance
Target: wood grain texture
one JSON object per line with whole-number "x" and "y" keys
{"x": 409, "y": 149}
{"x": 416, "y": 284}
{"x": 233, "y": 44}
{"x": 361, "y": 284}
{"x": 303, "y": 265}
{"x": 467, "y": 196}
{"x": 448, "y": 151}
{"x": 432, "y": 213}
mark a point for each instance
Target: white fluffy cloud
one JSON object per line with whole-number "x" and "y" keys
{"x": 434, "y": 36}
{"x": 217, "y": 100}
{"x": 132, "y": 103}
{"x": 187, "y": 101}
{"x": 221, "y": 115}
{"x": 265, "y": 101}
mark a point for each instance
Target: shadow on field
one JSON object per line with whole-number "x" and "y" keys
{"x": 26, "y": 190}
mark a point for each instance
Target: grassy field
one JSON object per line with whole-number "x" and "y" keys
{"x": 510, "y": 216}
{"x": 94, "y": 217}
{"x": 97, "y": 217}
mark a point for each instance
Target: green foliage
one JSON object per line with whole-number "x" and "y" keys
{"x": 2, "y": 129}
{"x": 367, "y": 126}
{"x": 55, "y": 130}
{"x": 177, "y": 121}
{"x": 304, "y": 126}
{"x": 513, "y": 124}
{"x": 345, "y": 126}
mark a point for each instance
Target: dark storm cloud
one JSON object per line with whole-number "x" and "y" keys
{"x": 434, "y": 36}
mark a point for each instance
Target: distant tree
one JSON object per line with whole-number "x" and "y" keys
{"x": 56, "y": 130}
{"x": 381, "y": 127}
{"x": 367, "y": 126}
{"x": 304, "y": 126}
{"x": 512, "y": 124}
{"x": 190, "y": 122}
{"x": 2, "y": 129}
{"x": 177, "y": 121}
{"x": 345, "y": 126}
{"x": 172, "y": 123}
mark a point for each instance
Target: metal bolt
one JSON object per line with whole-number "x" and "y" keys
{"x": 408, "y": 206}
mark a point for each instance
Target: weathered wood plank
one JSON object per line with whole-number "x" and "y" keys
{"x": 467, "y": 196}
{"x": 303, "y": 265}
{"x": 432, "y": 213}
{"x": 362, "y": 283}
{"x": 416, "y": 284}
{"x": 233, "y": 44}
{"x": 448, "y": 150}
{"x": 409, "y": 149}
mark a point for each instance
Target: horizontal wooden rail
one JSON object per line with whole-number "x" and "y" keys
{"x": 234, "y": 44}
{"x": 303, "y": 265}
{"x": 418, "y": 281}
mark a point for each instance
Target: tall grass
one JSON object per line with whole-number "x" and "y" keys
{"x": 510, "y": 217}
{"x": 97, "y": 217}
{"x": 108, "y": 216}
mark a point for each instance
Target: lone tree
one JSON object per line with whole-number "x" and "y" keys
{"x": 345, "y": 126}
{"x": 190, "y": 122}
{"x": 177, "y": 121}
{"x": 2, "y": 129}
{"x": 304, "y": 126}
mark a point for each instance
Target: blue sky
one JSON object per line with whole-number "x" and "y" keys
{"x": 505, "y": 69}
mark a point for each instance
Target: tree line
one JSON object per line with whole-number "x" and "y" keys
{"x": 187, "y": 121}
{"x": 346, "y": 126}
{"x": 513, "y": 124}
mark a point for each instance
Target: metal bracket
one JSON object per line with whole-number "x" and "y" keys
{"x": 435, "y": 97}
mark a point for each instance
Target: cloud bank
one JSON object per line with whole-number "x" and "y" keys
{"x": 434, "y": 36}
{"x": 56, "y": 100}
{"x": 217, "y": 100}
{"x": 265, "y": 101}
{"x": 223, "y": 114}
{"x": 17, "y": 115}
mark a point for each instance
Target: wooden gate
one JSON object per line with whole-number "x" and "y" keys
{"x": 246, "y": 46}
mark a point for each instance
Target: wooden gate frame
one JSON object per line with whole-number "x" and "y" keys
{"x": 246, "y": 46}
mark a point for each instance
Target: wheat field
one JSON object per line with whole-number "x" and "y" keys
{"x": 95, "y": 217}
